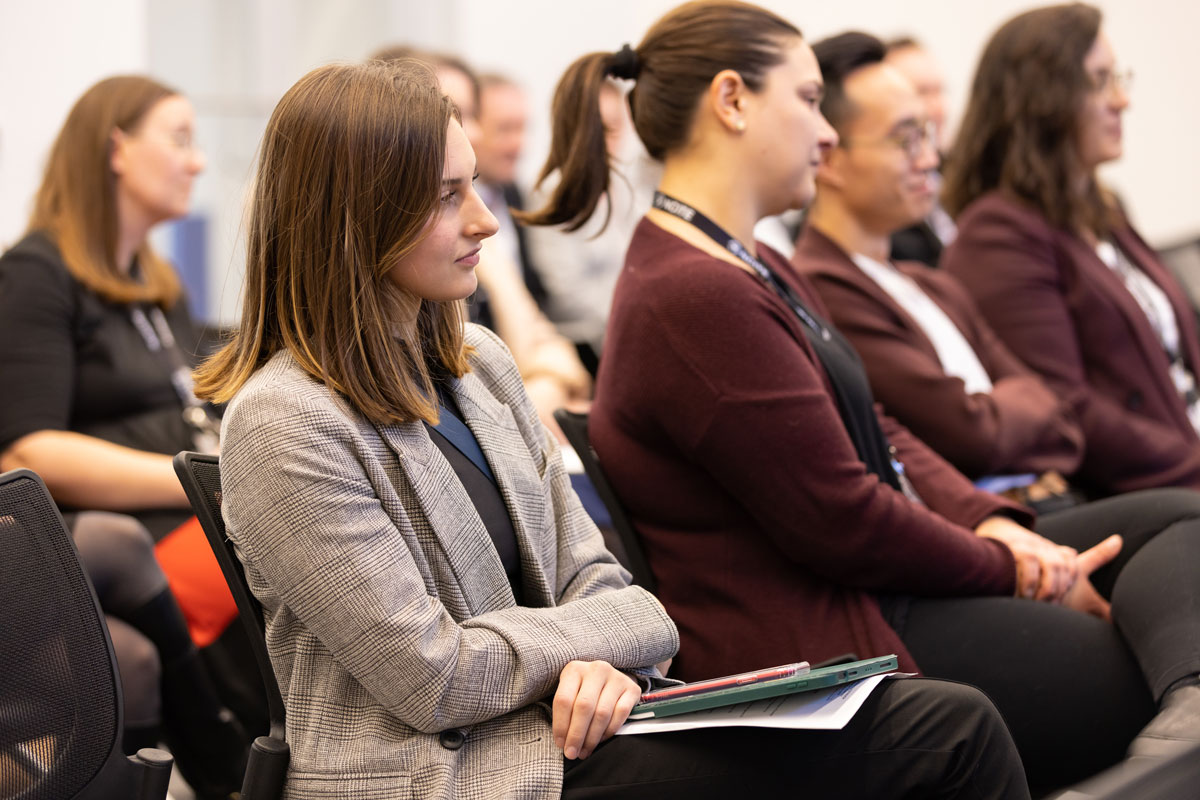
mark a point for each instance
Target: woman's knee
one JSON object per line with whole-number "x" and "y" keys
{"x": 118, "y": 554}
{"x": 141, "y": 674}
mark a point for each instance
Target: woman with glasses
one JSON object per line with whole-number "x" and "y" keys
{"x": 782, "y": 516}
{"x": 1053, "y": 263}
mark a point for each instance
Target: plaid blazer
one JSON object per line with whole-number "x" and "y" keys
{"x": 406, "y": 667}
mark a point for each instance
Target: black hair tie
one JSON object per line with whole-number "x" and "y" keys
{"x": 624, "y": 64}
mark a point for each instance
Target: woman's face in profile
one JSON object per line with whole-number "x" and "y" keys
{"x": 785, "y": 126}
{"x": 442, "y": 265}
{"x": 157, "y": 162}
{"x": 1099, "y": 132}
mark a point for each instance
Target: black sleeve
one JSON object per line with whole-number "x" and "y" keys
{"x": 37, "y": 348}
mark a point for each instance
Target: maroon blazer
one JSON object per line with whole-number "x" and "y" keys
{"x": 1063, "y": 312}
{"x": 1020, "y": 426}
{"x": 768, "y": 538}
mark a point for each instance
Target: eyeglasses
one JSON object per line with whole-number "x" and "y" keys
{"x": 1105, "y": 81}
{"x": 911, "y": 137}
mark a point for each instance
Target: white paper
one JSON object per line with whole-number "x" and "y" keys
{"x": 825, "y": 709}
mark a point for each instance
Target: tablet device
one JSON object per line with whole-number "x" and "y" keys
{"x": 713, "y": 684}
{"x": 801, "y": 682}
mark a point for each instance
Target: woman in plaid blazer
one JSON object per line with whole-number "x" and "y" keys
{"x": 442, "y": 616}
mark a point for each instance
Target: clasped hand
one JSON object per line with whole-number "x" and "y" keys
{"x": 592, "y": 701}
{"x": 1051, "y": 572}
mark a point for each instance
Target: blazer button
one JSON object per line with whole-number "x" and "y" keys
{"x": 1135, "y": 401}
{"x": 452, "y": 739}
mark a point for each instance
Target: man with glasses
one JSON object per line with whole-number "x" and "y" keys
{"x": 923, "y": 240}
{"x": 931, "y": 359}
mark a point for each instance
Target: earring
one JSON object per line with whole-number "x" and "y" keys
{"x": 740, "y": 125}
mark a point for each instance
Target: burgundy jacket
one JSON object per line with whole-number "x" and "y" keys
{"x": 1063, "y": 312}
{"x": 767, "y": 536}
{"x": 1020, "y": 426}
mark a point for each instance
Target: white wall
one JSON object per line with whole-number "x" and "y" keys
{"x": 235, "y": 57}
{"x": 49, "y": 53}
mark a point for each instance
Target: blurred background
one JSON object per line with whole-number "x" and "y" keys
{"x": 234, "y": 58}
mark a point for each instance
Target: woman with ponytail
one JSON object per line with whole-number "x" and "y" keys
{"x": 785, "y": 519}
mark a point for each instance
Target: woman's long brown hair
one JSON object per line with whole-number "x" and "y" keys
{"x": 1019, "y": 132}
{"x": 76, "y": 204}
{"x": 349, "y": 176}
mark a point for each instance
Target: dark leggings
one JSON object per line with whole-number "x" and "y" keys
{"x": 118, "y": 555}
{"x": 1074, "y": 689}
{"x": 912, "y": 738}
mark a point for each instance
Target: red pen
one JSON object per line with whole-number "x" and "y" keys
{"x": 742, "y": 679}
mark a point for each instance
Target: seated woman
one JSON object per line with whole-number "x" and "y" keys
{"x": 1052, "y": 262}
{"x": 781, "y": 516}
{"x": 96, "y": 337}
{"x": 934, "y": 364}
{"x": 442, "y": 616}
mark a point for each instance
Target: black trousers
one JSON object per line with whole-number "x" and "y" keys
{"x": 1073, "y": 689}
{"x": 913, "y": 738}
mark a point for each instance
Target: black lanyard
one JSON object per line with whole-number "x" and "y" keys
{"x": 871, "y": 444}
{"x": 678, "y": 208}
{"x": 156, "y": 333}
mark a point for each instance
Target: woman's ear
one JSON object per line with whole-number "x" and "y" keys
{"x": 727, "y": 96}
{"x": 118, "y": 143}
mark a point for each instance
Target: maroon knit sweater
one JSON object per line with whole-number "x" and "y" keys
{"x": 767, "y": 536}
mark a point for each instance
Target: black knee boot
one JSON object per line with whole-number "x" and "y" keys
{"x": 206, "y": 739}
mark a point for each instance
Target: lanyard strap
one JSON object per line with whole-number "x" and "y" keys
{"x": 678, "y": 208}
{"x": 886, "y": 465}
{"x": 159, "y": 339}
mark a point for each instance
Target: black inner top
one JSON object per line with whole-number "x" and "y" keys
{"x": 486, "y": 497}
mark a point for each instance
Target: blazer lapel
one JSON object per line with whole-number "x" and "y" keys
{"x": 1185, "y": 315}
{"x": 520, "y": 484}
{"x": 452, "y": 525}
{"x": 1153, "y": 352}
{"x": 822, "y": 254}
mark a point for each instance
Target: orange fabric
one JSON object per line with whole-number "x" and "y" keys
{"x": 196, "y": 581}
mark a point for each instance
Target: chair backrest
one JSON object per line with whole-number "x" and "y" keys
{"x": 575, "y": 426}
{"x": 266, "y": 767}
{"x": 61, "y": 714}
{"x": 200, "y": 476}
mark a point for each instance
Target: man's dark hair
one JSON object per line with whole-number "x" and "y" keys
{"x": 839, "y": 56}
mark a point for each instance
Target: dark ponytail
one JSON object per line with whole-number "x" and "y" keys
{"x": 673, "y": 67}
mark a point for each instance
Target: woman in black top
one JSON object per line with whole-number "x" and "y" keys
{"x": 95, "y": 341}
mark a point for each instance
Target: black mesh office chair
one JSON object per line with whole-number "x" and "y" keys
{"x": 575, "y": 426}
{"x": 61, "y": 713}
{"x": 266, "y": 768}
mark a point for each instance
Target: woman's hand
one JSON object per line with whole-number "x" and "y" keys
{"x": 592, "y": 701}
{"x": 1045, "y": 571}
{"x": 1083, "y": 596}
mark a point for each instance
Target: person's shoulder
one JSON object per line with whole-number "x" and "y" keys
{"x": 35, "y": 260}
{"x": 280, "y": 392}
{"x": 997, "y": 208}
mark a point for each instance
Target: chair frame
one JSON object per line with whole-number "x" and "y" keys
{"x": 575, "y": 425}
{"x": 266, "y": 767}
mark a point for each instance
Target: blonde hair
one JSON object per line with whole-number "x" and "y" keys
{"x": 349, "y": 176}
{"x": 76, "y": 204}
